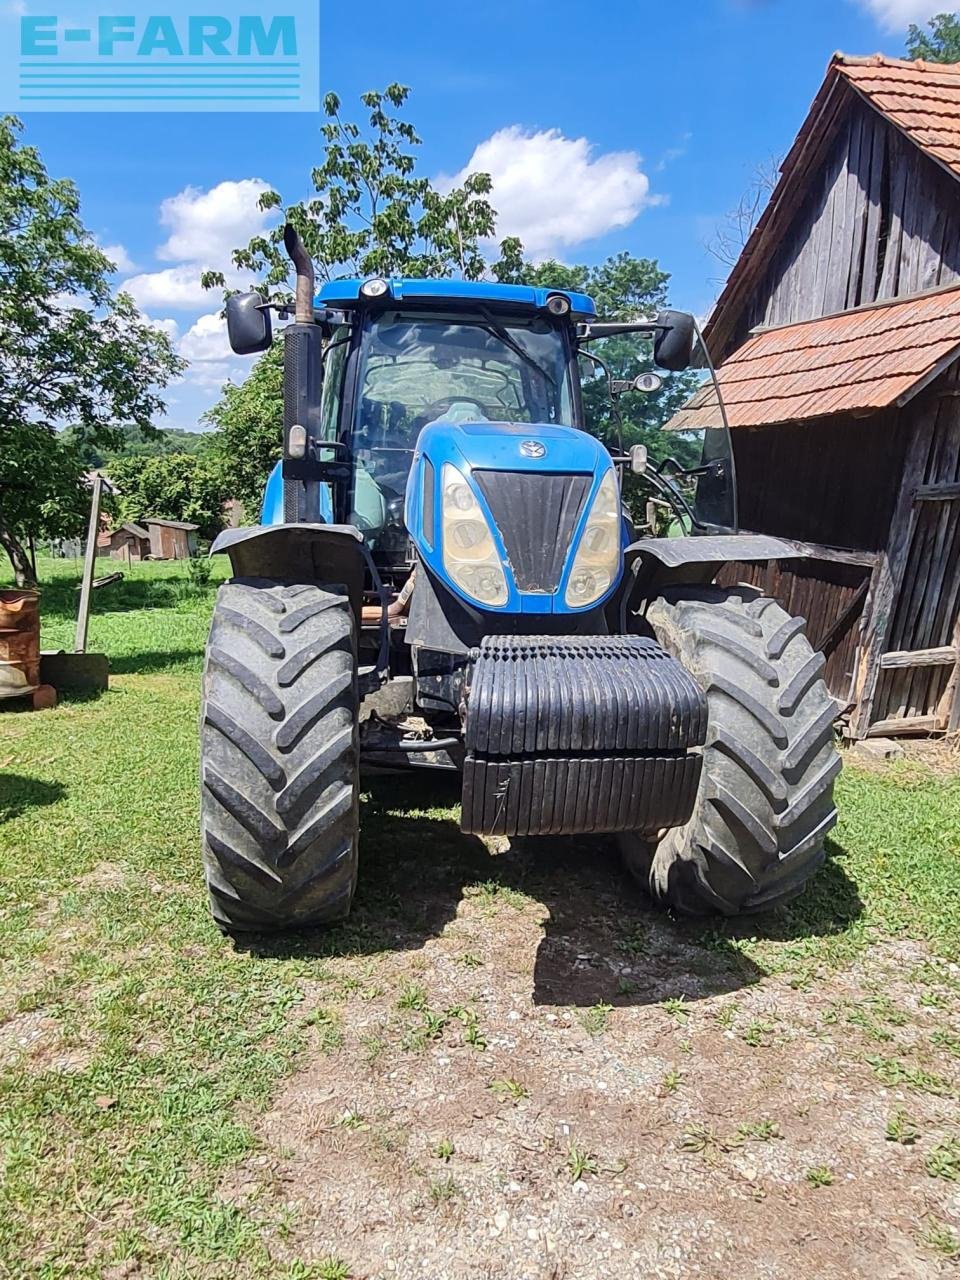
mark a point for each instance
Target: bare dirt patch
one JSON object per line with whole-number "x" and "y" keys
{"x": 545, "y": 1080}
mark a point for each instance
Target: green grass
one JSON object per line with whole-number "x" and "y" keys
{"x": 154, "y": 620}
{"x": 580, "y": 1162}
{"x": 157, "y": 1039}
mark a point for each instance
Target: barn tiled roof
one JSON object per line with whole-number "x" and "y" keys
{"x": 921, "y": 98}
{"x": 853, "y": 362}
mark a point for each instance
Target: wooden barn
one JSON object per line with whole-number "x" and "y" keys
{"x": 838, "y": 336}
{"x": 129, "y": 541}
{"x": 172, "y": 539}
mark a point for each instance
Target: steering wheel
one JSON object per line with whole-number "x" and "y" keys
{"x": 434, "y": 411}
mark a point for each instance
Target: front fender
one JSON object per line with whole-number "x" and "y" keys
{"x": 653, "y": 563}
{"x": 320, "y": 553}
{"x": 713, "y": 549}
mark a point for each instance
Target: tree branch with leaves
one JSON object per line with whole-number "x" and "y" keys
{"x": 72, "y": 353}
{"x": 371, "y": 214}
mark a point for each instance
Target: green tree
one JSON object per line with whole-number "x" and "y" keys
{"x": 42, "y": 490}
{"x": 371, "y": 214}
{"x": 624, "y": 288}
{"x": 134, "y": 442}
{"x": 174, "y": 486}
{"x": 942, "y": 44}
{"x": 247, "y": 436}
{"x": 73, "y": 353}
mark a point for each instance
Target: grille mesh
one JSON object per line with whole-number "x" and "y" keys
{"x": 536, "y": 513}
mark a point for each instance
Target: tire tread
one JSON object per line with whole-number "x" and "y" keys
{"x": 765, "y": 803}
{"x": 279, "y": 756}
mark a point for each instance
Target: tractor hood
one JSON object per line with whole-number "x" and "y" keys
{"x": 499, "y": 511}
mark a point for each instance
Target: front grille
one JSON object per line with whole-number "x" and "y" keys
{"x": 536, "y": 513}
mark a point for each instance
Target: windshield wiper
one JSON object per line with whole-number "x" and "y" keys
{"x": 498, "y": 331}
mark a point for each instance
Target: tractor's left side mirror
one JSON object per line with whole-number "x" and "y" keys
{"x": 248, "y": 323}
{"x": 673, "y": 345}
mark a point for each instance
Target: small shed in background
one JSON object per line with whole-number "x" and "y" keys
{"x": 172, "y": 539}
{"x": 129, "y": 541}
{"x": 838, "y": 340}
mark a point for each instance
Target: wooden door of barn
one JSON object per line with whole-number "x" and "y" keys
{"x": 909, "y": 672}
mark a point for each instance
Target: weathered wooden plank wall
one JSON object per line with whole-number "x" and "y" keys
{"x": 880, "y": 221}
{"x": 833, "y": 481}
{"x": 926, "y": 604}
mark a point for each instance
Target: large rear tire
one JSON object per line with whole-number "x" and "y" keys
{"x": 279, "y": 756}
{"x": 765, "y": 801}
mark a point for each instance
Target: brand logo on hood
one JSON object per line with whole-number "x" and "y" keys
{"x": 532, "y": 449}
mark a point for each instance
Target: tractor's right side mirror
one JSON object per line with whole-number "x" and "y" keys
{"x": 248, "y": 323}
{"x": 673, "y": 345}
{"x": 638, "y": 459}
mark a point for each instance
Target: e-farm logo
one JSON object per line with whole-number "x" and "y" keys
{"x": 233, "y": 56}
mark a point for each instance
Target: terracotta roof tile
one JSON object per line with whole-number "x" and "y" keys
{"x": 856, "y": 361}
{"x": 921, "y": 98}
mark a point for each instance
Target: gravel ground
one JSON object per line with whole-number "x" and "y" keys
{"x": 527, "y": 1088}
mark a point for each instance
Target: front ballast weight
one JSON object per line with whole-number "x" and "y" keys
{"x": 579, "y": 734}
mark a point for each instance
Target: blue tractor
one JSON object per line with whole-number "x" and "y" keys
{"x": 445, "y": 574}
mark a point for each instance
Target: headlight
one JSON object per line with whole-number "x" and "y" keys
{"x": 597, "y": 559}
{"x": 469, "y": 555}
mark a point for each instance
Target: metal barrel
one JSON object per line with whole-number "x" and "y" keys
{"x": 19, "y": 643}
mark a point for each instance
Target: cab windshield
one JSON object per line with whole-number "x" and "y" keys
{"x": 419, "y": 369}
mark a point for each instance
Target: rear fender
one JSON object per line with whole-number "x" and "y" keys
{"x": 321, "y": 553}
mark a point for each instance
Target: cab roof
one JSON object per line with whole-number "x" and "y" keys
{"x": 344, "y": 293}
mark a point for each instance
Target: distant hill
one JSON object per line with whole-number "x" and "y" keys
{"x": 137, "y": 445}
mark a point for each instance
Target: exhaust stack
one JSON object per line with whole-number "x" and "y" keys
{"x": 302, "y": 385}
{"x": 306, "y": 277}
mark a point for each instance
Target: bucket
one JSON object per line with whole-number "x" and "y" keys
{"x": 19, "y": 643}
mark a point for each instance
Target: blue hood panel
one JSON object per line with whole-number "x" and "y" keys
{"x": 499, "y": 446}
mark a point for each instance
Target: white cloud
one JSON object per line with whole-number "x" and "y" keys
{"x": 119, "y": 257}
{"x": 167, "y": 326}
{"x": 71, "y": 302}
{"x": 206, "y": 340}
{"x": 896, "y": 15}
{"x": 206, "y": 225}
{"x": 211, "y": 376}
{"x": 553, "y": 191}
{"x": 176, "y": 287}
{"x": 212, "y": 363}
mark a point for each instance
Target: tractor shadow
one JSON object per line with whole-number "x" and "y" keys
{"x": 20, "y": 793}
{"x": 603, "y": 941}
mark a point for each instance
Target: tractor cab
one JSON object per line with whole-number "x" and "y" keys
{"x": 496, "y": 383}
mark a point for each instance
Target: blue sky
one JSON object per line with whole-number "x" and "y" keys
{"x": 622, "y": 124}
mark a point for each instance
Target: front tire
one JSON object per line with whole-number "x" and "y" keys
{"x": 279, "y": 756}
{"x": 765, "y": 801}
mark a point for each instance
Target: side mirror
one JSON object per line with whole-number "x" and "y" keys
{"x": 673, "y": 345}
{"x": 638, "y": 459}
{"x": 249, "y": 327}
{"x": 642, "y": 382}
